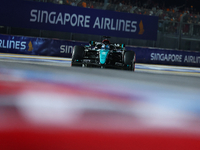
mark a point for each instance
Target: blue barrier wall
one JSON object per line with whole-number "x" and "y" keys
{"x": 36, "y": 46}
{"x": 62, "y": 48}
{"x": 66, "y": 18}
{"x": 166, "y": 56}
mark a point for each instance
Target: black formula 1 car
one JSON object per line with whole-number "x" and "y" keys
{"x": 104, "y": 55}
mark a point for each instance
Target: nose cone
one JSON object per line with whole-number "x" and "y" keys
{"x": 103, "y": 55}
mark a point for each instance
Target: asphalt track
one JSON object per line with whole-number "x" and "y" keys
{"x": 173, "y": 75}
{"x": 46, "y": 92}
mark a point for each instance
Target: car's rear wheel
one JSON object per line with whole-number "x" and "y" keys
{"x": 77, "y": 56}
{"x": 129, "y": 60}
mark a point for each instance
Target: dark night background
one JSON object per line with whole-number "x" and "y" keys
{"x": 177, "y": 3}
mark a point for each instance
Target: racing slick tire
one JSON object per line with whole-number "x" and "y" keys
{"x": 77, "y": 56}
{"x": 129, "y": 60}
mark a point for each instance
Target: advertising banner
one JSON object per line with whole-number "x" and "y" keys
{"x": 166, "y": 56}
{"x": 66, "y": 18}
{"x": 37, "y": 46}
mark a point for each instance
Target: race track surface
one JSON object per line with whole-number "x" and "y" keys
{"x": 154, "y": 99}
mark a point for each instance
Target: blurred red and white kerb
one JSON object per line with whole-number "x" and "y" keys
{"x": 38, "y": 114}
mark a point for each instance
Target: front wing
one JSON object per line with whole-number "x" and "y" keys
{"x": 94, "y": 63}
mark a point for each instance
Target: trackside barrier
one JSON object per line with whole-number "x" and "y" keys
{"x": 166, "y": 56}
{"x": 63, "y": 48}
{"x": 37, "y": 46}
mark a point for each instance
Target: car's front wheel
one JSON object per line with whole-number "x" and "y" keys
{"x": 77, "y": 55}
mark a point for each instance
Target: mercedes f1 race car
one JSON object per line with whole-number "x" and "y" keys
{"x": 104, "y": 55}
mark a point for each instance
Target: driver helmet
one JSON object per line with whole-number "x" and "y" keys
{"x": 107, "y": 47}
